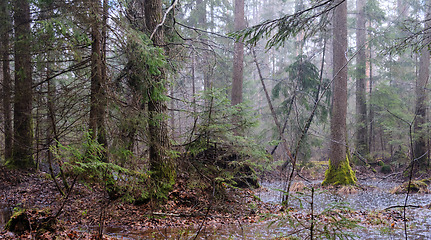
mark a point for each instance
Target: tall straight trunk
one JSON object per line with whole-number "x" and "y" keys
{"x": 238, "y": 59}
{"x": 98, "y": 75}
{"x": 102, "y": 134}
{"x": 202, "y": 24}
{"x": 339, "y": 171}
{"x": 23, "y": 131}
{"x": 371, "y": 107}
{"x": 161, "y": 166}
{"x": 194, "y": 82}
{"x": 361, "y": 105}
{"x": 339, "y": 100}
{"x": 5, "y": 28}
{"x": 420, "y": 146}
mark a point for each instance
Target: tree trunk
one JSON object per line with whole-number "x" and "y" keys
{"x": 202, "y": 24}
{"x": 361, "y": 105}
{"x": 161, "y": 166}
{"x": 102, "y": 134}
{"x": 4, "y": 31}
{"x": 420, "y": 148}
{"x": 238, "y": 59}
{"x": 23, "y": 132}
{"x": 371, "y": 107}
{"x": 98, "y": 75}
{"x": 339, "y": 171}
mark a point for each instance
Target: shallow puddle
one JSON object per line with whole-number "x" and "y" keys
{"x": 5, "y": 214}
{"x": 377, "y": 197}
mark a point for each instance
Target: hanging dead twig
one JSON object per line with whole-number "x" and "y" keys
{"x": 164, "y": 18}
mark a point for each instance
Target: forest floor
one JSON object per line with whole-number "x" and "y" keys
{"x": 87, "y": 208}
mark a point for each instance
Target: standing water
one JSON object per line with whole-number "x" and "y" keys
{"x": 5, "y": 214}
{"x": 375, "y": 199}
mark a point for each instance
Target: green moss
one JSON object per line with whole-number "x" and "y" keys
{"x": 342, "y": 175}
{"x": 19, "y": 222}
{"x": 415, "y": 187}
{"x": 426, "y": 181}
{"x": 163, "y": 176}
{"x": 386, "y": 169}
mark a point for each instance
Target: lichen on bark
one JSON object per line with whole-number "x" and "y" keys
{"x": 341, "y": 175}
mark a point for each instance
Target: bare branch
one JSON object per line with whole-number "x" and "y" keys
{"x": 164, "y": 18}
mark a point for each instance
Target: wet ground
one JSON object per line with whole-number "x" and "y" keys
{"x": 5, "y": 213}
{"x": 375, "y": 198}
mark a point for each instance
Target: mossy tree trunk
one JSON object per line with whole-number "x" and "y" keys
{"x": 161, "y": 165}
{"x": 23, "y": 130}
{"x": 98, "y": 73}
{"x": 339, "y": 172}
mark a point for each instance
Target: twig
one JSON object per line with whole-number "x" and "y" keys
{"x": 102, "y": 219}
{"x": 164, "y": 19}
{"x": 299, "y": 175}
{"x": 169, "y": 214}
{"x": 312, "y": 213}
{"x": 192, "y": 215}
{"x": 242, "y": 229}
{"x": 403, "y": 206}
{"x": 206, "y": 214}
{"x": 390, "y": 175}
{"x": 66, "y": 197}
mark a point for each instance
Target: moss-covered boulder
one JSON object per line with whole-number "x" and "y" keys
{"x": 35, "y": 220}
{"x": 342, "y": 175}
{"x": 19, "y": 222}
{"x": 386, "y": 169}
{"x": 415, "y": 187}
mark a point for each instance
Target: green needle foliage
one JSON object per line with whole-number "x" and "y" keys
{"x": 85, "y": 163}
{"x": 215, "y": 150}
{"x": 309, "y": 21}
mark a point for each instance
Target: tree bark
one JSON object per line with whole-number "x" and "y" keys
{"x": 339, "y": 172}
{"x": 98, "y": 75}
{"x": 361, "y": 105}
{"x": 238, "y": 59}
{"x": 23, "y": 131}
{"x": 161, "y": 166}
{"x": 4, "y": 31}
{"x": 371, "y": 106}
{"x": 202, "y": 24}
{"x": 420, "y": 146}
{"x": 339, "y": 100}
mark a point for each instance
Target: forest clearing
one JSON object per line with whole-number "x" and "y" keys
{"x": 215, "y": 119}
